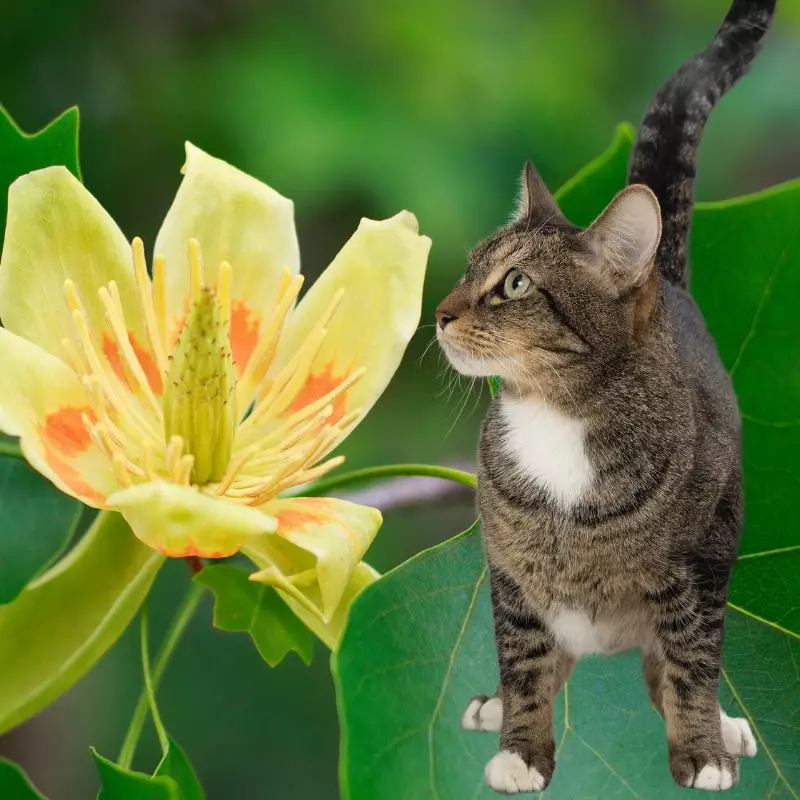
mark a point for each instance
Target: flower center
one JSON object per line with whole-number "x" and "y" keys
{"x": 199, "y": 398}
{"x": 176, "y": 417}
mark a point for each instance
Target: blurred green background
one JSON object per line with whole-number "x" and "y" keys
{"x": 352, "y": 109}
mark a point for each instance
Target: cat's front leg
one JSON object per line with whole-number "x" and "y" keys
{"x": 529, "y": 666}
{"x": 689, "y": 640}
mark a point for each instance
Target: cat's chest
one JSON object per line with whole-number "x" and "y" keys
{"x": 547, "y": 447}
{"x": 578, "y": 634}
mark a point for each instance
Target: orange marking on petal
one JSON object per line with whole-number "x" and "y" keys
{"x": 312, "y": 511}
{"x": 245, "y": 325}
{"x": 144, "y": 357}
{"x": 63, "y": 436}
{"x": 64, "y": 431}
{"x": 148, "y": 364}
{"x": 317, "y": 385}
{"x": 72, "y": 479}
{"x": 192, "y": 549}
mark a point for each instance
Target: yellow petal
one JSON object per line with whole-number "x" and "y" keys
{"x": 330, "y": 633}
{"x": 320, "y": 542}
{"x": 57, "y": 231}
{"x": 380, "y": 272}
{"x": 179, "y": 521}
{"x": 44, "y": 403}
{"x": 237, "y": 219}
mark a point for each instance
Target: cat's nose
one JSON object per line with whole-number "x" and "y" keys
{"x": 444, "y": 317}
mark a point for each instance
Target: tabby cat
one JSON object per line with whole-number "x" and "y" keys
{"x": 610, "y": 468}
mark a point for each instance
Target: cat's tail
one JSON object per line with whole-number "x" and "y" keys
{"x": 665, "y": 154}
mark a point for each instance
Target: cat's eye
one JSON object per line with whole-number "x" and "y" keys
{"x": 516, "y": 284}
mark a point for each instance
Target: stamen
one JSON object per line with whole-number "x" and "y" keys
{"x": 149, "y": 464}
{"x": 264, "y": 354}
{"x": 295, "y": 478}
{"x": 173, "y": 456}
{"x": 74, "y": 356}
{"x": 234, "y": 469}
{"x": 327, "y": 315}
{"x": 119, "y": 400}
{"x": 116, "y": 318}
{"x": 148, "y": 306}
{"x": 289, "y": 380}
{"x": 265, "y": 491}
{"x": 123, "y": 478}
{"x": 185, "y": 470}
{"x": 247, "y": 433}
{"x": 99, "y": 440}
{"x": 196, "y": 272}
{"x": 160, "y": 299}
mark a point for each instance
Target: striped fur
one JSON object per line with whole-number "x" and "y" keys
{"x": 665, "y": 155}
{"x": 610, "y": 461}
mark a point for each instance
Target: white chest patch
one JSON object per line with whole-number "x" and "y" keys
{"x": 578, "y": 635}
{"x": 549, "y": 447}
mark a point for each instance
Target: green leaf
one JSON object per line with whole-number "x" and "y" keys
{"x": 21, "y": 152}
{"x": 15, "y": 785}
{"x": 584, "y": 197}
{"x": 419, "y": 643}
{"x": 62, "y": 623}
{"x": 242, "y": 605}
{"x": 176, "y": 765}
{"x": 125, "y": 784}
{"x": 37, "y": 523}
{"x": 174, "y": 779}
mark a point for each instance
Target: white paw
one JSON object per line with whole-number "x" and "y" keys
{"x": 483, "y": 714}
{"x": 508, "y": 773}
{"x": 737, "y": 736}
{"x": 713, "y": 779}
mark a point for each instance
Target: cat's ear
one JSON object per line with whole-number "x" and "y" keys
{"x": 535, "y": 200}
{"x": 626, "y": 236}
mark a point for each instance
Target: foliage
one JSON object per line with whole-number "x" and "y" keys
{"x": 244, "y": 606}
{"x": 34, "y": 536}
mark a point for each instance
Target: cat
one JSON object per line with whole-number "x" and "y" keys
{"x": 609, "y": 461}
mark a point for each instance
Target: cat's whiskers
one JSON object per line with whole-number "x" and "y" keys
{"x": 540, "y": 360}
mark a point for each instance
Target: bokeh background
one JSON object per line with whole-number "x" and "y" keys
{"x": 356, "y": 108}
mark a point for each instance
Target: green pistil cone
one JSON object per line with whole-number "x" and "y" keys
{"x": 199, "y": 399}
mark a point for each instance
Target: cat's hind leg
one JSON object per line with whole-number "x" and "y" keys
{"x": 736, "y": 733}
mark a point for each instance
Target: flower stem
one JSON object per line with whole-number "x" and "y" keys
{"x": 370, "y": 474}
{"x": 11, "y": 450}
{"x": 176, "y": 629}
{"x": 144, "y": 638}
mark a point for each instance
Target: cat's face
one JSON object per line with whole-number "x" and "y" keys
{"x": 544, "y": 304}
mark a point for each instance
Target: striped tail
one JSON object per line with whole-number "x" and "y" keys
{"x": 665, "y": 154}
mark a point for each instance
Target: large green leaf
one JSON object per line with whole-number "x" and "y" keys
{"x": 63, "y": 622}
{"x": 36, "y": 524}
{"x": 21, "y": 152}
{"x": 242, "y": 605}
{"x": 419, "y": 643}
{"x": 14, "y": 783}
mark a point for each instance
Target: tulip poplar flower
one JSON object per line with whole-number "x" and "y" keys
{"x": 191, "y": 396}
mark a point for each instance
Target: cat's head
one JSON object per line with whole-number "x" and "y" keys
{"x": 543, "y": 301}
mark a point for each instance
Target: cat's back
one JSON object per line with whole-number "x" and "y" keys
{"x": 709, "y": 381}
